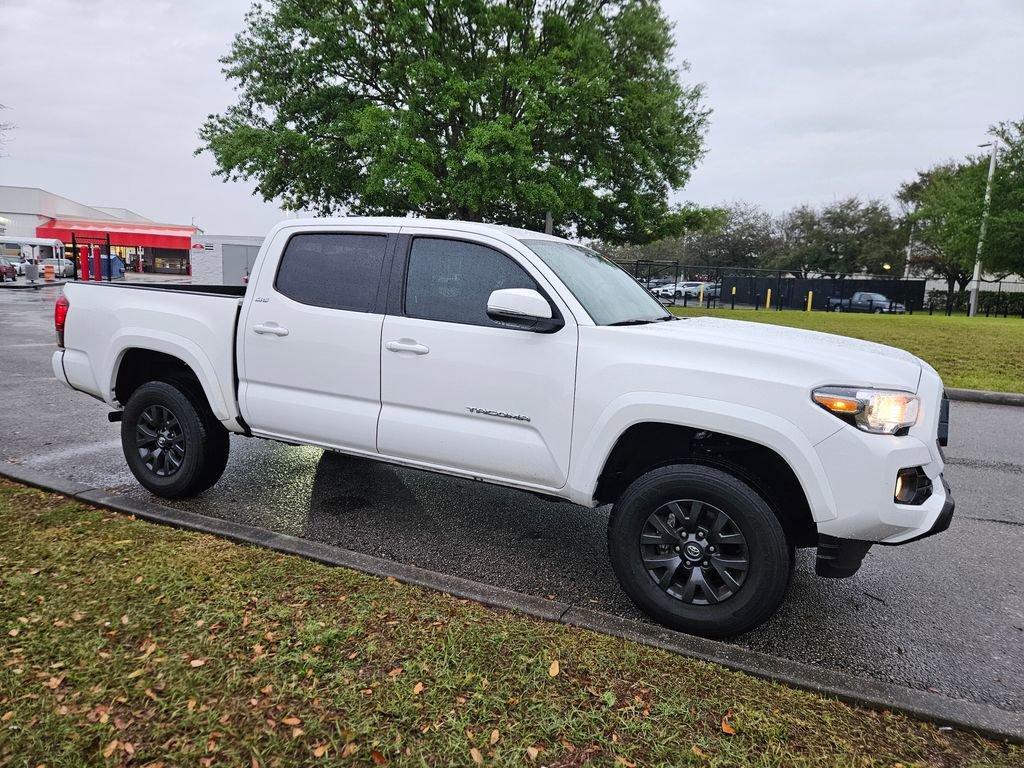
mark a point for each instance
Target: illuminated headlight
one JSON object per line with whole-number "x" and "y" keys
{"x": 882, "y": 411}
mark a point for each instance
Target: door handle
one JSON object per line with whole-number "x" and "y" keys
{"x": 406, "y": 345}
{"x": 271, "y": 329}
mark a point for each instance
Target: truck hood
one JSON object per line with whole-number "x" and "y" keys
{"x": 816, "y": 358}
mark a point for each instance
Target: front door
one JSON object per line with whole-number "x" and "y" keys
{"x": 461, "y": 391}
{"x": 310, "y": 341}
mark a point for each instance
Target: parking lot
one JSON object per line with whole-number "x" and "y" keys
{"x": 944, "y": 614}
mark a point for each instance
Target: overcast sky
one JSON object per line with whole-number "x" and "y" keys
{"x": 812, "y": 100}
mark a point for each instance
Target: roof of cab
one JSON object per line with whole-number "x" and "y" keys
{"x": 400, "y": 221}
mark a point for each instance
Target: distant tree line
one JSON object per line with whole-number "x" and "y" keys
{"x": 936, "y": 223}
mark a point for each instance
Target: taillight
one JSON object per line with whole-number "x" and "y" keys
{"x": 60, "y": 316}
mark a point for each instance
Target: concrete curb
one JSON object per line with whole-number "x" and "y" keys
{"x": 982, "y": 718}
{"x": 985, "y": 396}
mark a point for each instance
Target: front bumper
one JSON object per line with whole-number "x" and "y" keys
{"x": 841, "y": 558}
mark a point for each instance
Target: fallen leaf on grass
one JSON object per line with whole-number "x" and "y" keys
{"x": 109, "y": 749}
{"x": 291, "y": 721}
{"x": 7, "y": 716}
{"x": 296, "y": 732}
{"x": 197, "y": 662}
{"x": 532, "y": 752}
{"x": 378, "y": 758}
{"x": 554, "y": 669}
{"x": 477, "y": 756}
{"x": 418, "y": 689}
{"x": 319, "y": 750}
{"x": 495, "y": 735}
{"x": 698, "y": 751}
{"x": 726, "y": 725}
{"x": 623, "y": 761}
{"x": 54, "y": 682}
{"x": 349, "y": 749}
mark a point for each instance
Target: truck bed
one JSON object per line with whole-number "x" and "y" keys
{"x": 195, "y": 324}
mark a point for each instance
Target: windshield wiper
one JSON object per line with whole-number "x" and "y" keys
{"x": 633, "y": 322}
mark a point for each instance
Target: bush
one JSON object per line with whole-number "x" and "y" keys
{"x": 994, "y": 302}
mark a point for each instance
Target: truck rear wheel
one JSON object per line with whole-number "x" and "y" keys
{"x": 699, "y": 550}
{"x": 173, "y": 444}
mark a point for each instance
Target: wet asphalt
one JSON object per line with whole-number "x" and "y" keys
{"x": 945, "y": 614}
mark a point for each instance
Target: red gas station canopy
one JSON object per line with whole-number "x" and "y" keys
{"x": 127, "y": 233}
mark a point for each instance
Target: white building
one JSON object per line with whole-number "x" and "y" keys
{"x": 223, "y": 259}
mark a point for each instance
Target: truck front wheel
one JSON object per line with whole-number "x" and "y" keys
{"x": 173, "y": 444}
{"x": 699, "y": 550}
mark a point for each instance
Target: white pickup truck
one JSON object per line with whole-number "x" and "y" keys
{"x": 516, "y": 358}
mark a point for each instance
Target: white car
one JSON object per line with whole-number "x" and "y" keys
{"x": 521, "y": 359}
{"x": 61, "y": 267}
{"x": 678, "y": 290}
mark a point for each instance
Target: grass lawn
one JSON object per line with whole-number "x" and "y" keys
{"x": 129, "y": 643}
{"x": 973, "y": 353}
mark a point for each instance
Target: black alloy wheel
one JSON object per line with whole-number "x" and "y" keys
{"x": 160, "y": 440}
{"x": 694, "y": 552}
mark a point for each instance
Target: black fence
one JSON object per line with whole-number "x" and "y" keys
{"x": 681, "y": 285}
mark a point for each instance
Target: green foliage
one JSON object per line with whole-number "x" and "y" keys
{"x": 476, "y": 109}
{"x": 946, "y": 204}
{"x": 847, "y": 236}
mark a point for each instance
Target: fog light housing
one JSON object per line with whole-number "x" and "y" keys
{"x": 912, "y": 486}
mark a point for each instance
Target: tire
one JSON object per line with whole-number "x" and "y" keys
{"x": 837, "y": 308}
{"x": 879, "y": 311}
{"x": 197, "y": 445}
{"x": 734, "y": 600}
{"x": 678, "y": 294}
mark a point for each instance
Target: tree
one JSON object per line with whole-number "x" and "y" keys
{"x": 946, "y": 202}
{"x": 847, "y": 236}
{"x": 944, "y": 205}
{"x": 477, "y": 109}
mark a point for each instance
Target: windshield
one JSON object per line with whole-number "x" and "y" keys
{"x": 606, "y": 291}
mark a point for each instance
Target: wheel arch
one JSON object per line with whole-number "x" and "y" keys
{"x": 136, "y": 364}
{"x": 767, "y": 451}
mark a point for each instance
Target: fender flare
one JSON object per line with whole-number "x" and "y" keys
{"x": 187, "y": 351}
{"x": 727, "y": 418}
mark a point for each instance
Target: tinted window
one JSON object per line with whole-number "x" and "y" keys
{"x": 332, "y": 270}
{"x": 451, "y": 280}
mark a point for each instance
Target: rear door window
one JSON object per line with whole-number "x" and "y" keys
{"x": 332, "y": 270}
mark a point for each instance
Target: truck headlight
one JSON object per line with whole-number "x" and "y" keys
{"x": 882, "y": 411}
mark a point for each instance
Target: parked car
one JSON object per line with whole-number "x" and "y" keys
{"x": 61, "y": 267}
{"x": 524, "y": 360}
{"x": 7, "y": 270}
{"x": 678, "y": 290}
{"x": 864, "y": 301}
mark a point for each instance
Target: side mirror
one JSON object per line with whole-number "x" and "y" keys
{"x": 524, "y": 309}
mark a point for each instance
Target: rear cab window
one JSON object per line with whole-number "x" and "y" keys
{"x": 334, "y": 270}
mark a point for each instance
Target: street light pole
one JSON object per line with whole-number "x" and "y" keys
{"x": 984, "y": 224}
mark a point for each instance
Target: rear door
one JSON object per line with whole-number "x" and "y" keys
{"x": 310, "y": 340}
{"x": 461, "y": 391}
